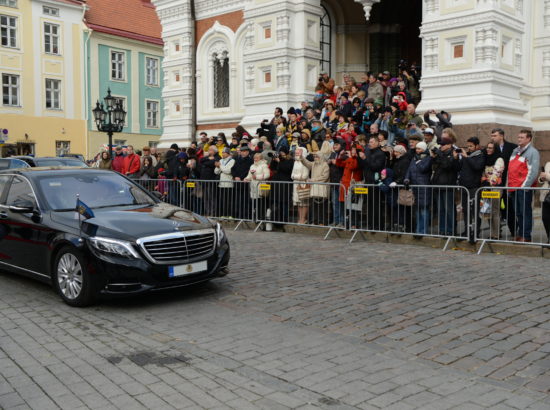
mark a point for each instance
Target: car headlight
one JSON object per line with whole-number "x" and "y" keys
{"x": 220, "y": 233}
{"x": 114, "y": 246}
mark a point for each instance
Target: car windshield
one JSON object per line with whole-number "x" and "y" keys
{"x": 57, "y": 162}
{"x": 12, "y": 163}
{"x": 95, "y": 190}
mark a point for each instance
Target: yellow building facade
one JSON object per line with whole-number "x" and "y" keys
{"x": 42, "y": 68}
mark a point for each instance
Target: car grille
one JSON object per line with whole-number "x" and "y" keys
{"x": 179, "y": 247}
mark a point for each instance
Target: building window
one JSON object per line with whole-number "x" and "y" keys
{"x": 122, "y": 143}
{"x": 177, "y": 47}
{"x": 152, "y": 114}
{"x": 326, "y": 42}
{"x": 10, "y": 89}
{"x": 9, "y": 3}
{"x": 62, "y": 148}
{"x": 152, "y": 71}
{"x": 117, "y": 66}
{"x": 51, "y": 38}
{"x": 153, "y": 144}
{"x": 53, "y": 94}
{"x": 221, "y": 80}
{"x": 8, "y": 31}
{"x": 177, "y": 77}
{"x": 50, "y": 11}
{"x": 267, "y": 32}
{"x": 458, "y": 51}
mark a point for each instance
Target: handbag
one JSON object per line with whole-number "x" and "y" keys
{"x": 406, "y": 197}
{"x": 304, "y": 192}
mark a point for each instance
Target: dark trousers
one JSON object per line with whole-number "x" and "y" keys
{"x": 468, "y": 210}
{"x": 375, "y": 213}
{"x": 446, "y": 211}
{"x": 243, "y": 203}
{"x": 546, "y": 218}
{"x": 523, "y": 205}
{"x": 225, "y": 201}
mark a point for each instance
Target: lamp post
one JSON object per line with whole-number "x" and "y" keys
{"x": 110, "y": 117}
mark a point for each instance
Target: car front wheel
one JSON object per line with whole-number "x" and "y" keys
{"x": 71, "y": 278}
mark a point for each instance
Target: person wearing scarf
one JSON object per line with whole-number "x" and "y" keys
{"x": 492, "y": 176}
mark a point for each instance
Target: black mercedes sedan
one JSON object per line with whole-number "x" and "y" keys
{"x": 120, "y": 239}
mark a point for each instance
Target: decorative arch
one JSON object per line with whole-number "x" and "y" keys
{"x": 215, "y": 57}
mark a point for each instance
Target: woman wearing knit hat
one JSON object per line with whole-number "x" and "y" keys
{"x": 419, "y": 173}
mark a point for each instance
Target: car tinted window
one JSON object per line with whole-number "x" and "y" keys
{"x": 4, "y": 179}
{"x": 53, "y": 162}
{"x": 95, "y": 190}
{"x": 20, "y": 192}
{"x": 8, "y": 163}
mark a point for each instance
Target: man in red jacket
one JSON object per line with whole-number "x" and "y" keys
{"x": 131, "y": 163}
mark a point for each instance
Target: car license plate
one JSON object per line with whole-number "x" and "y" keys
{"x": 182, "y": 270}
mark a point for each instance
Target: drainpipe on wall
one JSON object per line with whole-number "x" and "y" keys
{"x": 88, "y": 31}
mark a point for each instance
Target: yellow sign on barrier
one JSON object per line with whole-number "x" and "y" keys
{"x": 361, "y": 191}
{"x": 265, "y": 187}
{"x": 190, "y": 185}
{"x": 490, "y": 194}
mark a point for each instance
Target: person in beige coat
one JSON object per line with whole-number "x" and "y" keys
{"x": 225, "y": 191}
{"x": 300, "y": 175}
{"x": 258, "y": 174}
{"x": 320, "y": 174}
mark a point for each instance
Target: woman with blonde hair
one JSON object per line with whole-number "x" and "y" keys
{"x": 449, "y": 133}
{"x": 301, "y": 190}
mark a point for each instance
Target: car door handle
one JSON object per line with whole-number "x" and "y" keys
{"x": 3, "y": 215}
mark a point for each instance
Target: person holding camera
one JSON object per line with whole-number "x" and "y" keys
{"x": 472, "y": 165}
{"x": 445, "y": 167}
{"x": 443, "y": 121}
{"x": 419, "y": 173}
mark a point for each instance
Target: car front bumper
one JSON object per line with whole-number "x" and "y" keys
{"x": 116, "y": 276}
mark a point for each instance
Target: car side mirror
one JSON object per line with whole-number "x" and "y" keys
{"x": 157, "y": 194}
{"x": 23, "y": 206}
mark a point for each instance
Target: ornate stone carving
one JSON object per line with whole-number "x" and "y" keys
{"x": 518, "y": 54}
{"x": 283, "y": 28}
{"x": 367, "y": 6}
{"x": 486, "y": 47}
{"x": 431, "y": 6}
{"x": 546, "y": 13}
{"x": 546, "y": 64}
{"x": 218, "y": 51}
{"x": 249, "y": 36}
{"x": 250, "y": 77}
{"x": 431, "y": 53}
{"x": 283, "y": 74}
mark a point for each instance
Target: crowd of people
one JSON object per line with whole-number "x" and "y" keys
{"x": 358, "y": 133}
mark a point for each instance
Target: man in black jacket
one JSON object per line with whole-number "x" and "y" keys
{"x": 443, "y": 121}
{"x": 505, "y": 149}
{"x": 208, "y": 164}
{"x": 472, "y": 165}
{"x": 445, "y": 167}
{"x": 372, "y": 162}
{"x": 239, "y": 171}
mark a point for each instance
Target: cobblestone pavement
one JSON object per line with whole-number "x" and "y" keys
{"x": 299, "y": 323}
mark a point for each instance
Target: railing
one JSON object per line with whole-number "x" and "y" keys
{"x": 509, "y": 215}
{"x": 486, "y": 215}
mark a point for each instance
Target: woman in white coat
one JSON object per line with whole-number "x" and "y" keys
{"x": 225, "y": 193}
{"x": 300, "y": 175}
{"x": 259, "y": 173}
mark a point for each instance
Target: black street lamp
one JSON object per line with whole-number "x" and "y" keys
{"x": 111, "y": 118}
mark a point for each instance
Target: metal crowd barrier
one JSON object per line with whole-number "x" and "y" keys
{"x": 486, "y": 215}
{"x": 422, "y": 210}
{"x": 512, "y": 215}
{"x": 312, "y": 204}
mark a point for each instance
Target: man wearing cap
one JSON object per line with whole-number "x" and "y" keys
{"x": 445, "y": 168}
{"x": 118, "y": 160}
{"x": 292, "y": 125}
{"x": 472, "y": 165}
{"x": 429, "y": 139}
{"x": 240, "y": 171}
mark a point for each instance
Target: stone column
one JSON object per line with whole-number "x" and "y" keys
{"x": 178, "y": 34}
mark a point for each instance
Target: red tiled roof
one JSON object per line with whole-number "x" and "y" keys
{"x": 135, "y": 19}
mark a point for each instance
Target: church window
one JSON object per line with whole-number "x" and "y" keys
{"x": 326, "y": 41}
{"x": 221, "y": 79}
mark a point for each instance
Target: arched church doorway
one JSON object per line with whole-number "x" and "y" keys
{"x": 389, "y": 38}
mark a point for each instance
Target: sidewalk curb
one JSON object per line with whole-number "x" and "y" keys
{"x": 428, "y": 242}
